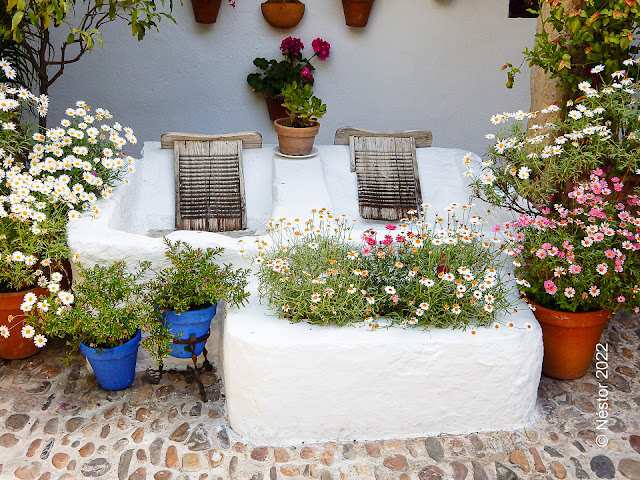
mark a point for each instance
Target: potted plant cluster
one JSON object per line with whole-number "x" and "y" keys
{"x": 577, "y": 265}
{"x": 49, "y": 178}
{"x": 275, "y": 75}
{"x": 106, "y": 314}
{"x": 283, "y": 13}
{"x": 573, "y": 184}
{"x": 297, "y": 132}
{"x": 186, "y": 293}
{"x": 415, "y": 274}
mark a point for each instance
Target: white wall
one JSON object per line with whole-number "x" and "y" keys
{"x": 431, "y": 64}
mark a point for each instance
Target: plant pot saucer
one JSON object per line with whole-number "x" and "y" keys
{"x": 314, "y": 152}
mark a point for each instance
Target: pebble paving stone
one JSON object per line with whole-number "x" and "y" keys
{"x": 57, "y": 424}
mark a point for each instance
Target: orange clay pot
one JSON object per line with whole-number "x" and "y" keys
{"x": 295, "y": 141}
{"x": 283, "y": 14}
{"x": 16, "y": 347}
{"x": 356, "y": 12}
{"x": 570, "y": 340}
{"x": 206, "y": 11}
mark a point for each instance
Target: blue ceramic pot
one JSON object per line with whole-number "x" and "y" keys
{"x": 115, "y": 367}
{"x": 183, "y": 325}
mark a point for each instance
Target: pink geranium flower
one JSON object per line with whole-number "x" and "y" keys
{"x": 321, "y": 48}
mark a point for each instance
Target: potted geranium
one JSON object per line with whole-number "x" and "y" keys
{"x": 275, "y": 75}
{"x": 106, "y": 313}
{"x": 298, "y": 131}
{"x": 282, "y": 13}
{"x": 186, "y": 294}
{"x": 32, "y": 226}
{"x": 573, "y": 184}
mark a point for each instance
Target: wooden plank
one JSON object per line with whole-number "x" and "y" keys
{"x": 387, "y": 172}
{"x": 423, "y": 138}
{"x": 249, "y": 139}
{"x": 209, "y": 185}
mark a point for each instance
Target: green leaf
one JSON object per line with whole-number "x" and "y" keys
{"x": 17, "y": 18}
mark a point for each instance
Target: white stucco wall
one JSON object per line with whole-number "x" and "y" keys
{"x": 431, "y": 64}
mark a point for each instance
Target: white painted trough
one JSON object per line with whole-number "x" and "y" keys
{"x": 291, "y": 383}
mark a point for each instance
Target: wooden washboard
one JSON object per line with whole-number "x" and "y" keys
{"x": 209, "y": 186}
{"x": 386, "y": 169}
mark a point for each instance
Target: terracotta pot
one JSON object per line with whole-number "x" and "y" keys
{"x": 275, "y": 108}
{"x": 356, "y": 12}
{"x": 16, "y": 347}
{"x": 295, "y": 141}
{"x": 283, "y": 14}
{"x": 570, "y": 340}
{"x": 206, "y": 11}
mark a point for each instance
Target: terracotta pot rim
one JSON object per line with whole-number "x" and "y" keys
{"x": 296, "y": 131}
{"x": 36, "y": 290}
{"x": 572, "y": 319}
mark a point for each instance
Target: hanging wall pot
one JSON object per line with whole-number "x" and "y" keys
{"x": 283, "y": 13}
{"x": 356, "y": 12}
{"x": 206, "y": 11}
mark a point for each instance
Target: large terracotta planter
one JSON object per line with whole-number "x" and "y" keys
{"x": 206, "y": 11}
{"x": 295, "y": 141}
{"x": 275, "y": 108}
{"x": 16, "y": 347}
{"x": 282, "y": 14}
{"x": 570, "y": 340}
{"x": 356, "y": 12}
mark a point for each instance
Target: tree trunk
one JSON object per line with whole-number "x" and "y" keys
{"x": 544, "y": 90}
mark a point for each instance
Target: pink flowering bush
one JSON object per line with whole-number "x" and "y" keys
{"x": 442, "y": 274}
{"x": 276, "y": 75}
{"x": 583, "y": 256}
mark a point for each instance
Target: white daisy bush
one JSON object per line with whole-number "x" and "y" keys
{"x": 526, "y": 167}
{"x": 443, "y": 274}
{"x": 584, "y": 256}
{"x": 48, "y": 178}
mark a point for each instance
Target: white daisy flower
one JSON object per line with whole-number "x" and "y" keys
{"x": 28, "y": 331}
{"x": 40, "y": 341}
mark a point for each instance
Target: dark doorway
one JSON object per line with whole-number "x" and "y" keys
{"x": 518, "y": 8}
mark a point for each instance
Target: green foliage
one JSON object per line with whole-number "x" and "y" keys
{"x": 194, "y": 279}
{"x": 275, "y": 76}
{"x": 304, "y": 108}
{"x": 31, "y": 23}
{"x": 571, "y": 44}
{"x": 107, "y": 307}
{"x": 444, "y": 274}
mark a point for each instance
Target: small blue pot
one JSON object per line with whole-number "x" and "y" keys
{"x": 115, "y": 367}
{"x": 185, "y": 324}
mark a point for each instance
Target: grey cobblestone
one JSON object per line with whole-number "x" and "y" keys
{"x": 56, "y": 423}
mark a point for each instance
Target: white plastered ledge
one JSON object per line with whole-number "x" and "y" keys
{"x": 291, "y": 383}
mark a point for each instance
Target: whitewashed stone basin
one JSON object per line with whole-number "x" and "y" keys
{"x": 290, "y": 383}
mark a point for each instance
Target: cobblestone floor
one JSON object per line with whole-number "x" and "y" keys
{"x": 56, "y": 423}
